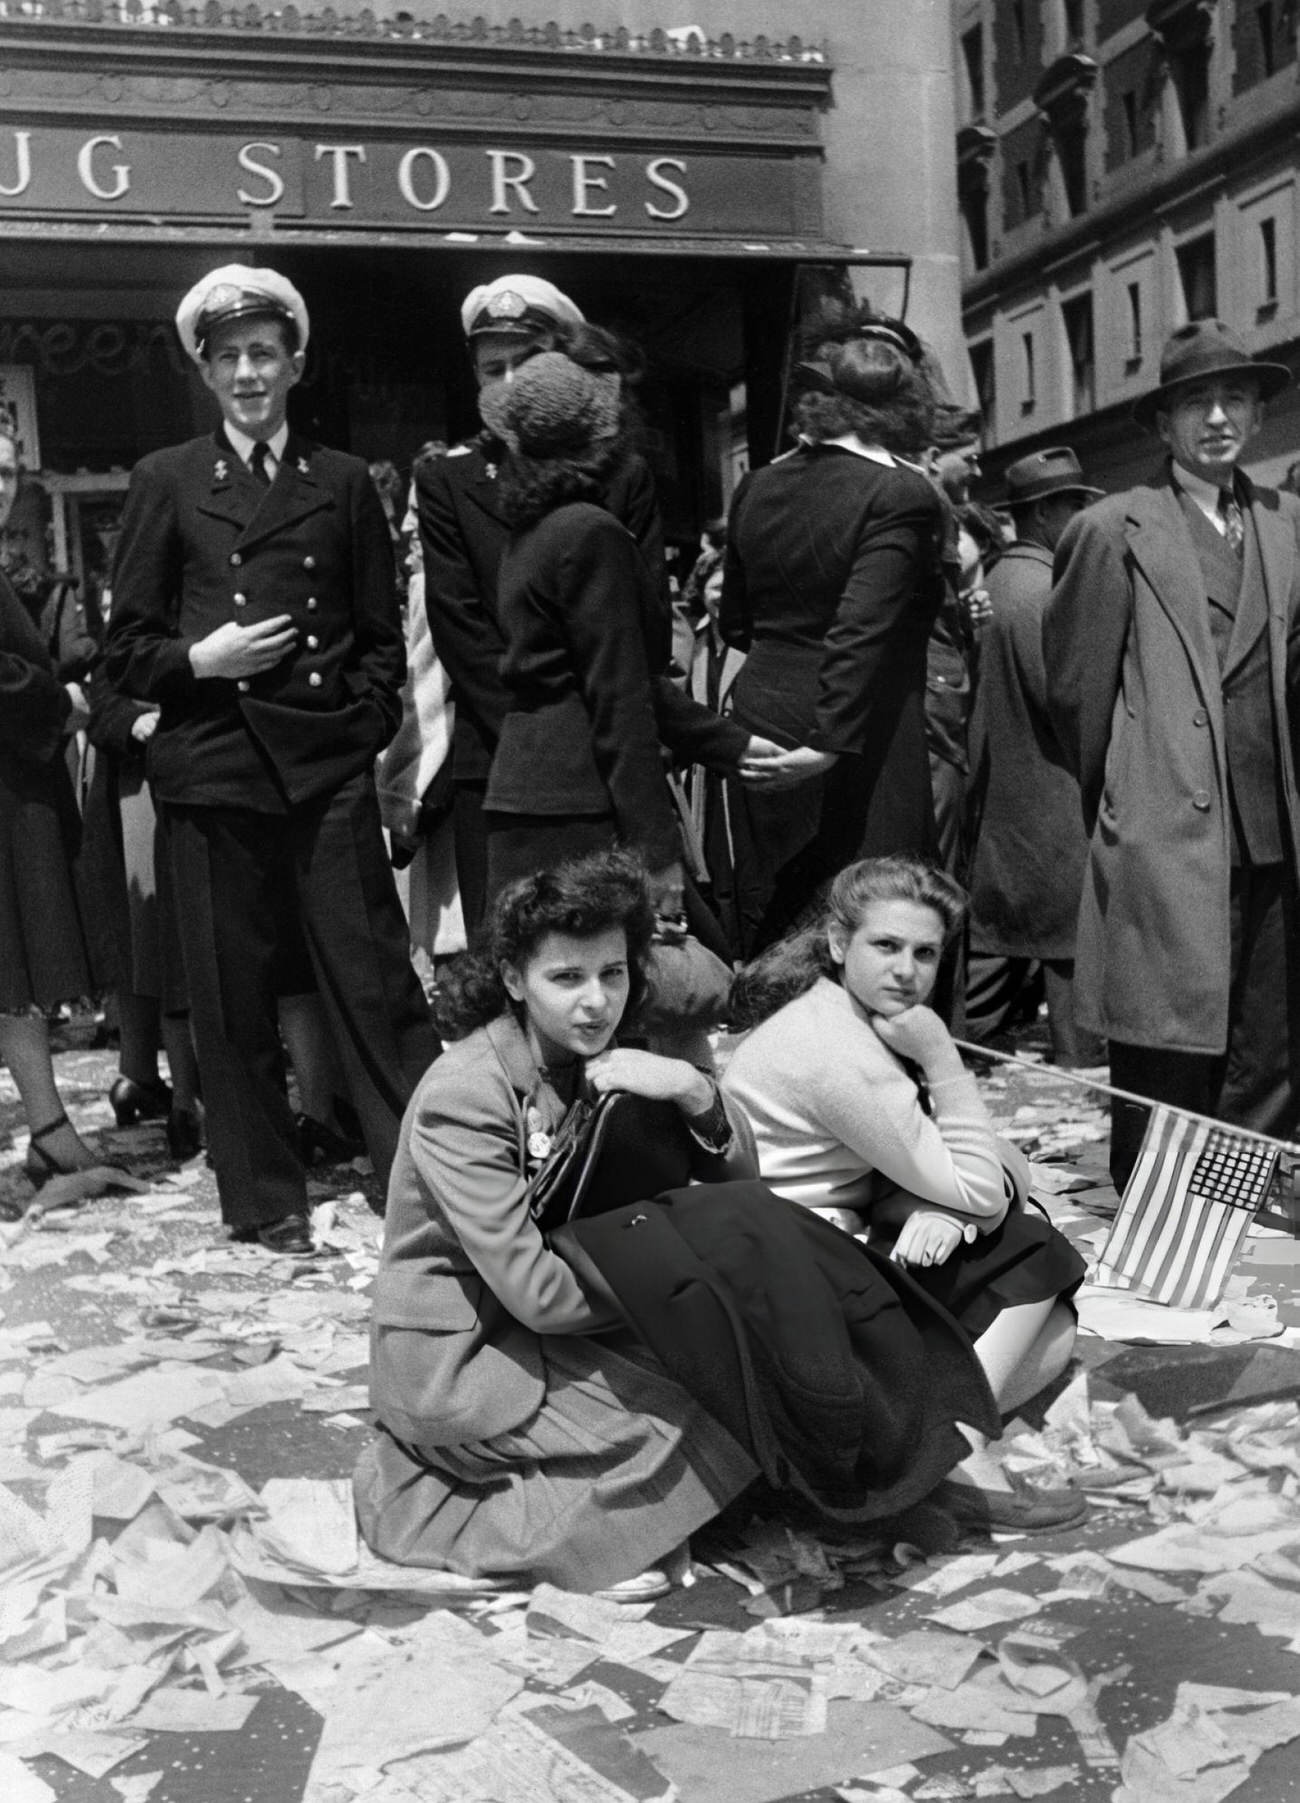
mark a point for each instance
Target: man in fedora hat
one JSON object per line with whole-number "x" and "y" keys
{"x": 1167, "y": 639}
{"x": 254, "y": 602}
{"x": 1029, "y": 844}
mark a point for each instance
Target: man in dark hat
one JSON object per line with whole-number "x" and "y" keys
{"x": 254, "y": 602}
{"x": 1167, "y": 639}
{"x": 1029, "y": 843}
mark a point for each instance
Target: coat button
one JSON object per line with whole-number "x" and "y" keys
{"x": 1201, "y": 801}
{"x": 313, "y": 643}
{"x": 315, "y": 679}
{"x": 1200, "y": 717}
{"x": 242, "y": 687}
{"x": 312, "y": 604}
{"x": 241, "y": 600}
{"x": 236, "y": 559}
{"x": 309, "y": 562}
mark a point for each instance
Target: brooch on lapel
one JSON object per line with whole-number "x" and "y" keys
{"x": 221, "y": 472}
{"x": 539, "y": 1140}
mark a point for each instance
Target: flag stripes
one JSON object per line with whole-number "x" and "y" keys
{"x": 1185, "y": 1211}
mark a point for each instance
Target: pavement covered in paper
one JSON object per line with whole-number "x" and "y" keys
{"x": 186, "y": 1612}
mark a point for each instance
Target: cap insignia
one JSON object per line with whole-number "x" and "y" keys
{"x": 506, "y": 305}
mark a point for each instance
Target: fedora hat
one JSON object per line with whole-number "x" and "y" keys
{"x": 1051, "y": 472}
{"x": 1200, "y": 350}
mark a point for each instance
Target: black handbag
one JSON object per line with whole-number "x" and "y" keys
{"x": 610, "y": 1152}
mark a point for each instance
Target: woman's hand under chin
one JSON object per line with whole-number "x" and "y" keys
{"x": 647, "y": 1074}
{"x": 917, "y": 1033}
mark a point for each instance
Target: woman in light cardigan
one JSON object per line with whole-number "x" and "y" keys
{"x": 862, "y": 1110}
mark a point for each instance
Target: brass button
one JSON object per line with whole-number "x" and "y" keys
{"x": 312, "y": 604}
{"x": 313, "y": 643}
{"x": 241, "y": 600}
{"x": 242, "y": 687}
{"x": 1201, "y": 801}
{"x": 1200, "y": 717}
{"x": 236, "y": 559}
{"x": 309, "y": 562}
{"x": 315, "y": 679}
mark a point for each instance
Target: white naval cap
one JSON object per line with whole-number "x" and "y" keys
{"x": 237, "y": 292}
{"x": 517, "y": 303}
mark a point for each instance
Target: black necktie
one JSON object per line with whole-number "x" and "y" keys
{"x": 257, "y": 463}
{"x": 1234, "y": 526}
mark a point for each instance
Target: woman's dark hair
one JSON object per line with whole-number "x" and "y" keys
{"x": 791, "y": 967}
{"x": 582, "y": 898}
{"x": 869, "y": 388}
{"x": 603, "y": 351}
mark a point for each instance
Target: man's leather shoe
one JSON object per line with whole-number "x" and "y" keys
{"x": 291, "y": 1235}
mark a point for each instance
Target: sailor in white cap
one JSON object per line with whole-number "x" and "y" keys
{"x": 254, "y": 601}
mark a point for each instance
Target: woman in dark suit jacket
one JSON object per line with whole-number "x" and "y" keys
{"x": 579, "y": 765}
{"x": 832, "y": 584}
{"x": 42, "y": 954}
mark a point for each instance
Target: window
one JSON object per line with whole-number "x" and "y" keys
{"x": 981, "y": 365}
{"x": 972, "y": 46}
{"x": 1025, "y": 186}
{"x": 1134, "y": 325}
{"x": 1129, "y": 100}
{"x": 1073, "y": 24}
{"x": 1019, "y": 30}
{"x": 1072, "y": 155}
{"x": 1196, "y": 272}
{"x": 1076, "y": 315}
{"x": 1267, "y": 265}
{"x": 1029, "y": 382}
{"x": 1190, "y": 70}
{"x": 1267, "y": 42}
{"x": 975, "y": 217}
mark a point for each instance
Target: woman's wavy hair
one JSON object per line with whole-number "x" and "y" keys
{"x": 853, "y": 381}
{"x": 791, "y": 967}
{"x": 582, "y": 898}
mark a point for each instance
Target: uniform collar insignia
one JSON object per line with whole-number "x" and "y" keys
{"x": 304, "y": 468}
{"x": 221, "y": 470}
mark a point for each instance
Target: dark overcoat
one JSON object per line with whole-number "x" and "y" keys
{"x": 1030, "y": 846}
{"x": 1136, "y": 694}
{"x": 832, "y": 585}
{"x": 204, "y": 543}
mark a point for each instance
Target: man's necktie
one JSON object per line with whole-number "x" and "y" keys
{"x": 1234, "y": 526}
{"x": 261, "y": 451}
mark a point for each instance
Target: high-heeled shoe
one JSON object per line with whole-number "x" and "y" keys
{"x": 40, "y": 1165}
{"x": 132, "y": 1102}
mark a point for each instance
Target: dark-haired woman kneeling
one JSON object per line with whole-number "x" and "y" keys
{"x": 525, "y": 1431}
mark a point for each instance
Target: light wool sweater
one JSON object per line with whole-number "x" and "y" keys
{"x": 838, "y": 1120}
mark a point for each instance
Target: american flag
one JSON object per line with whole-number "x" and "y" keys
{"x": 1193, "y": 1193}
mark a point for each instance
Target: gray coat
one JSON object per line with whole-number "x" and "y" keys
{"x": 1030, "y": 846}
{"x": 1137, "y": 703}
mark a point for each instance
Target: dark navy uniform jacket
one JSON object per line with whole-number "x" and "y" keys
{"x": 202, "y": 543}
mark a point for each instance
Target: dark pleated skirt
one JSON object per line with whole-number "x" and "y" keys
{"x": 42, "y": 952}
{"x": 616, "y": 1469}
{"x": 1023, "y": 1260}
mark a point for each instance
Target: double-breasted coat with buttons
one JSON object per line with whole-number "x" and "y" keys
{"x": 1137, "y": 700}
{"x": 204, "y": 543}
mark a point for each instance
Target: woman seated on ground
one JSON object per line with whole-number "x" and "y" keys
{"x": 863, "y": 1111}
{"x": 525, "y": 1431}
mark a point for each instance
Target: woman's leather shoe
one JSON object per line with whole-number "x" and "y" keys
{"x": 1024, "y": 1509}
{"x": 133, "y": 1102}
{"x": 292, "y": 1234}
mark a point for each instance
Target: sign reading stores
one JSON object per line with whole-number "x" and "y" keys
{"x": 308, "y": 180}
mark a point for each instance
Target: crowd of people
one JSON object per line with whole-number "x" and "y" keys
{"x": 604, "y": 817}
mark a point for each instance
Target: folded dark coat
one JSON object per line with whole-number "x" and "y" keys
{"x": 828, "y": 1363}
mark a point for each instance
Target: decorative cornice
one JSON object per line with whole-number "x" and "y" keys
{"x": 684, "y": 45}
{"x": 1063, "y": 89}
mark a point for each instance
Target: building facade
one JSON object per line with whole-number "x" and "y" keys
{"x": 1123, "y": 167}
{"x": 695, "y": 187}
